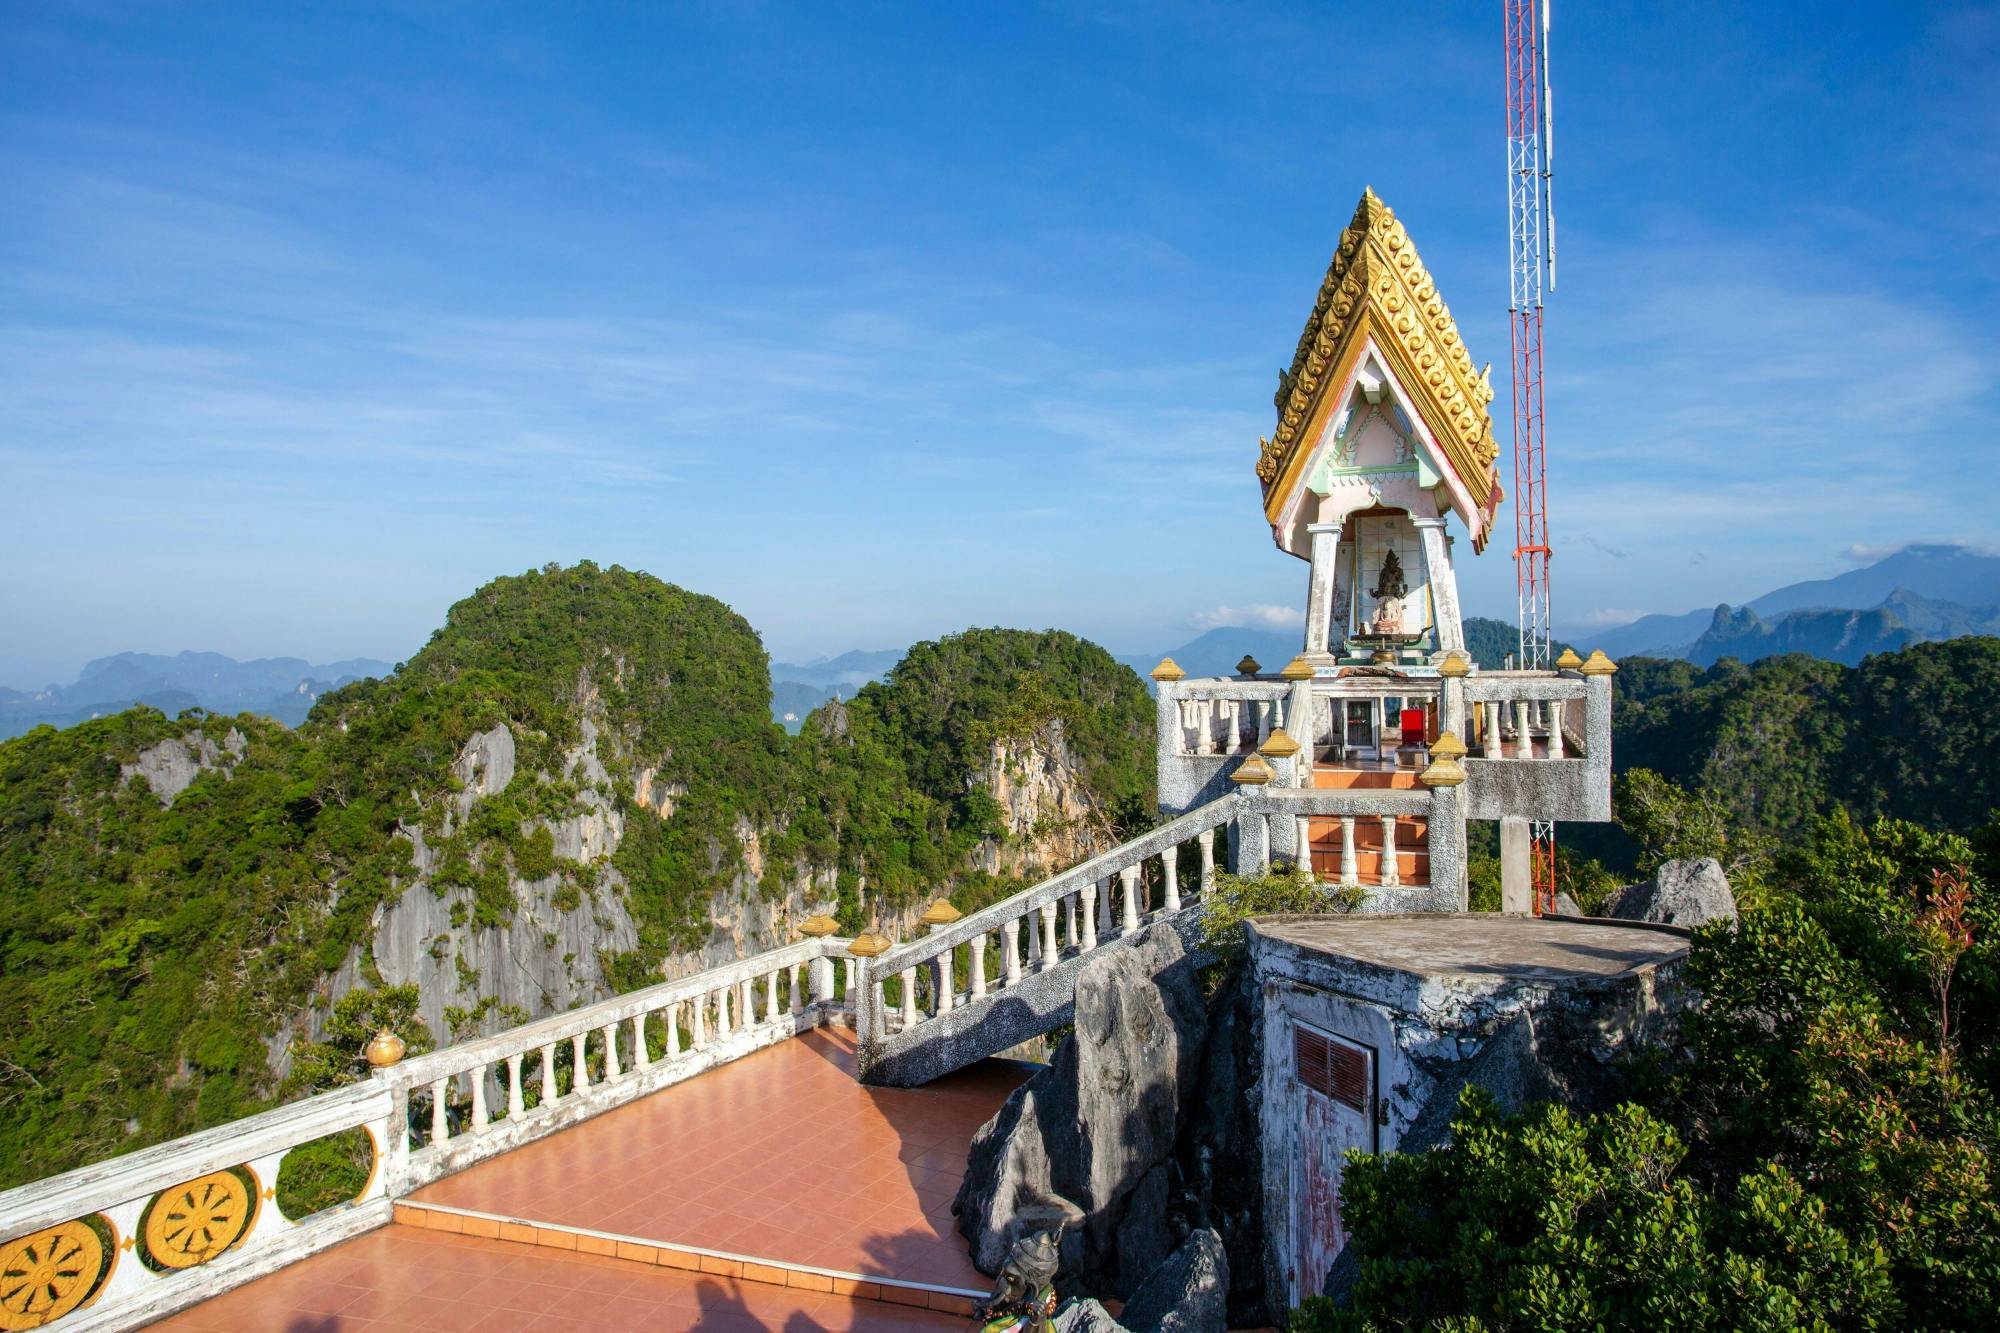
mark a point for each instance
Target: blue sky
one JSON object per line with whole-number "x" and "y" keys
{"x": 882, "y": 321}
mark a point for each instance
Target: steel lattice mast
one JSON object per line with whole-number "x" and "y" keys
{"x": 1531, "y": 271}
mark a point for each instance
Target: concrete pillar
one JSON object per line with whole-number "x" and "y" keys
{"x": 1170, "y": 879}
{"x": 1447, "y": 843}
{"x": 1443, "y": 582}
{"x": 1320, "y": 585}
{"x": 1350, "y": 864}
{"x": 1392, "y": 876}
{"x": 1205, "y": 840}
{"x": 1517, "y": 881}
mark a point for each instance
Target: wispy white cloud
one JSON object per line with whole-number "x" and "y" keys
{"x": 1255, "y": 615}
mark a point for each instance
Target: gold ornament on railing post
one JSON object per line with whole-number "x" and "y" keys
{"x": 1444, "y": 769}
{"x": 818, "y": 927}
{"x": 384, "y": 1049}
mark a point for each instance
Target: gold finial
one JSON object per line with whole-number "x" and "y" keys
{"x": 385, "y": 1048}
{"x": 1442, "y": 773}
{"x": 1598, "y": 664}
{"x": 1279, "y": 745}
{"x": 1448, "y": 746}
{"x": 939, "y": 913}
{"x": 867, "y": 944}
{"x": 1168, "y": 669}
{"x": 1248, "y": 666}
{"x": 1569, "y": 661}
{"x": 1253, "y": 772}
{"x": 818, "y": 927}
{"x": 1455, "y": 664}
{"x": 1298, "y": 669}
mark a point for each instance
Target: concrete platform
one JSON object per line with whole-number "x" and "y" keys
{"x": 1484, "y": 944}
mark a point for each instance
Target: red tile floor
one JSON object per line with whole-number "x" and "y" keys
{"x": 778, "y": 1156}
{"x": 402, "y": 1278}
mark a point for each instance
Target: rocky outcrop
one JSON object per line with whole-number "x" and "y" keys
{"x": 1051, "y": 821}
{"x": 1098, "y": 1125}
{"x": 1680, "y": 893}
{"x": 1187, "y": 1293}
{"x": 173, "y": 764}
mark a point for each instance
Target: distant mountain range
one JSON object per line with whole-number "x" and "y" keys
{"x": 1922, "y": 592}
{"x": 799, "y": 687}
{"x": 283, "y": 688}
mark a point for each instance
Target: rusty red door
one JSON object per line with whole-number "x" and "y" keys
{"x": 1334, "y": 1081}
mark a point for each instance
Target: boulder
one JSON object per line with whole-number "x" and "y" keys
{"x": 1189, "y": 1293}
{"x": 1680, "y": 893}
{"x": 1096, "y": 1127}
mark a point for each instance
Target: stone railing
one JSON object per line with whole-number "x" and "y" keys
{"x": 1538, "y": 742}
{"x": 1064, "y": 916}
{"x": 1225, "y": 715}
{"x": 481, "y": 1098}
{"x": 1509, "y": 712}
{"x": 121, "y": 1243}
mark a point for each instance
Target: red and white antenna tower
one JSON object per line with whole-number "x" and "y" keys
{"x": 1531, "y": 253}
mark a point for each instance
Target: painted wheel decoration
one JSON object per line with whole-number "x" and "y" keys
{"x": 45, "y": 1276}
{"x": 192, "y": 1223}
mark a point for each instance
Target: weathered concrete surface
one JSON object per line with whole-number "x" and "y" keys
{"x": 1098, "y": 1125}
{"x": 1680, "y": 893}
{"x": 1523, "y": 1007}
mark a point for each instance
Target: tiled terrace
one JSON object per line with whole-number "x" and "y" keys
{"x": 777, "y": 1168}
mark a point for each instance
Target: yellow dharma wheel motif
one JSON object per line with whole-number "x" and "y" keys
{"x": 45, "y": 1276}
{"x": 192, "y": 1223}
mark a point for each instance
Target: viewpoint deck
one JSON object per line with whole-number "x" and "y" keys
{"x": 780, "y": 1159}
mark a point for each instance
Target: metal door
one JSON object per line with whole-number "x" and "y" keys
{"x": 1334, "y": 1091}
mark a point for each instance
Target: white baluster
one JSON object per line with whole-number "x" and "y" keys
{"x": 798, "y": 1004}
{"x": 978, "y": 965}
{"x": 881, "y": 1020}
{"x": 771, "y": 994}
{"x": 1391, "y": 877}
{"x": 1206, "y": 841}
{"x": 1305, "y": 857}
{"x": 722, "y": 1013}
{"x": 1350, "y": 864}
{"x": 1089, "y": 897}
{"x": 642, "y": 1058}
{"x": 549, "y": 1092}
{"x": 1069, "y": 918}
{"x": 1050, "y": 950}
{"x": 1170, "y": 879}
{"x": 1496, "y": 747}
{"x": 909, "y": 976}
{"x": 698, "y": 1034}
{"x": 1128, "y": 879}
{"x": 673, "y": 1015}
{"x": 853, "y": 979}
{"x": 1524, "y": 741}
{"x": 610, "y": 1034}
{"x": 517, "y": 1105}
{"x": 746, "y": 1010}
{"x": 1010, "y": 951}
{"x": 479, "y": 1119}
{"x": 945, "y": 982}
{"x": 579, "y": 1074}
{"x": 1104, "y": 901}
{"x": 440, "y": 1127}
{"x": 1554, "y": 708}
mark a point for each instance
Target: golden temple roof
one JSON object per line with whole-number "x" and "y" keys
{"x": 1376, "y": 285}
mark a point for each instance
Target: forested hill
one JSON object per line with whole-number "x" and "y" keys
{"x": 575, "y": 784}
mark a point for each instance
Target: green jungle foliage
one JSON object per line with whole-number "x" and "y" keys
{"x": 1815, "y": 1152}
{"x": 150, "y": 951}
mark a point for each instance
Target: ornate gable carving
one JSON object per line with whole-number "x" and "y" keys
{"x": 1377, "y": 284}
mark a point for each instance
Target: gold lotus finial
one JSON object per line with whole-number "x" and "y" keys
{"x": 939, "y": 913}
{"x": 1279, "y": 745}
{"x": 1253, "y": 772}
{"x": 1298, "y": 669}
{"x": 818, "y": 927}
{"x": 1598, "y": 664}
{"x": 1249, "y": 666}
{"x": 1168, "y": 670}
{"x": 1569, "y": 661}
{"x": 1455, "y": 664}
{"x": 1448, "y": 746}
{"x": 868, "y": 944}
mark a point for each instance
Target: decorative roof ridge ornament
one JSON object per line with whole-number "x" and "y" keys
{"x": 1376, "y": 284}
